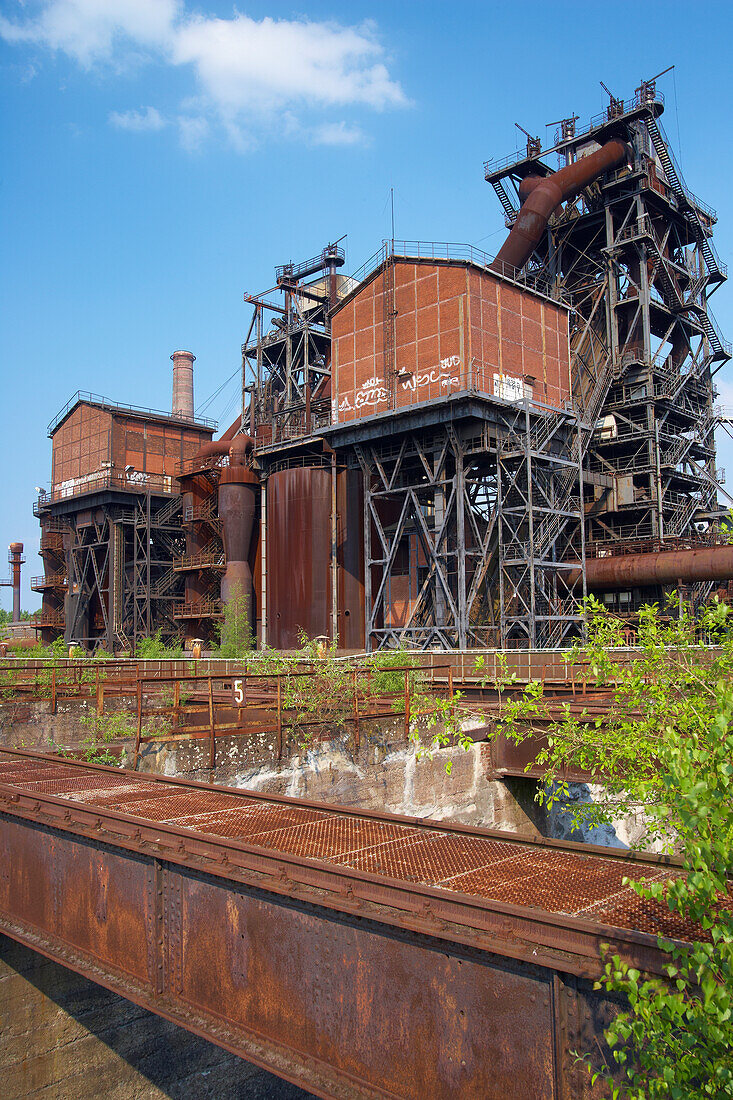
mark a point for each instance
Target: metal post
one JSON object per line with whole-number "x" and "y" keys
{"x": 357, "y": 734}
{"x": 581, "y": 491}
{"x": 212, "y": 730}
{"x": 139, "y": 722}
{"x": 334, "y": 552}
{"x": 368, "y": 624}
{"x": 501, "y": 541}
{"x": 530, "y": 524}
{"x": 263, "y": 560}
{"x": 450, "y": 689}
{"x": 460, "y": 491}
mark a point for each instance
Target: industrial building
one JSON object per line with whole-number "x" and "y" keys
{"x": 442, "y": 449}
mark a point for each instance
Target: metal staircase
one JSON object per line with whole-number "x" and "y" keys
{"x": 683, "y": 518}
{"x": 718, "y": 271}
{"x": 164, "y": 583}
{"x": 169, "y": 510}
{"x": 509, "y": 208}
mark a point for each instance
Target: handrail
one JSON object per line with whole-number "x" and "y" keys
{"x": 139, "y": 482}
{"x": 537, "y": 281}
{"x": 199, "y": 561}
{"x": 98, "y": 399}
{"x": 53, "y": 580}
{"x": 203, "y": 609}
{"x": 619, "y": 109}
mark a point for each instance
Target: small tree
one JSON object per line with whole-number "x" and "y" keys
{"x": 235, "y": 634}
{"x": 663, "y": 751}
{"x": 153, "y": 648}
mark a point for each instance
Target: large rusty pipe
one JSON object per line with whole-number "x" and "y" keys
{"x": 236, "y": 502}
{"x": 543, "y": 196}
{"x": 16, "y": 560}
{"x": 223, "y": 445}
{"x": 708, "y": 563}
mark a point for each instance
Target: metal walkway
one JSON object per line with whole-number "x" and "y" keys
{"x": 354, "y": 953}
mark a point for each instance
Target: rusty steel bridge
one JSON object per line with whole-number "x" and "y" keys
{"x": 356, "y": 954}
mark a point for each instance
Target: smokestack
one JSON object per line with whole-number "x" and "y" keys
{"x": 16, "y": 559}
{"x": 183, "y": 383}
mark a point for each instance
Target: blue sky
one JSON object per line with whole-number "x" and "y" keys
{"x": 158, "y": 159}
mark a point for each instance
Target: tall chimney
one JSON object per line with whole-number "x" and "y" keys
{"x": 183, "y": 383}
{"x": 16, "y": 559}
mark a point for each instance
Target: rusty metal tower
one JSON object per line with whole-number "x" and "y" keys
{"x": 633, "y": 255}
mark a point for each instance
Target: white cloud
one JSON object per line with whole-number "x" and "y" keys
{"x": 243, "y": 64}
{"x": 193, "y": 132}
{"x": 250, "y": 75}
{"x": 91, "y": 30}
{"x": 338, "y": 133}
{"x": 138, "y": 121}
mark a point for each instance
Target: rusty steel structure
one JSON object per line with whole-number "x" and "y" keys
{"x": 451, "y": 450}
{"x": 634, "y": 256}
{"x": 302, "y": 936}
{"x": 15, "y": 561}
{"x": 111, "y": 525}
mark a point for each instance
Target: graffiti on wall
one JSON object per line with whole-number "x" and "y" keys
{"x": 373, "y": 393}
{"x": 442, "y": 374}
{"x": 511, "y": 389}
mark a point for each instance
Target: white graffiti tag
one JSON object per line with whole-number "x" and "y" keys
{"x": 440, "y": 374}
{"x": 371, "y": 393}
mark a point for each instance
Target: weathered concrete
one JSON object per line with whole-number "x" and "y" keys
{"x": 385, "y": 773}
{"x": 622, "y": 832}
{"x": 64, "y": 1038}
{"x": 30, "y": 725}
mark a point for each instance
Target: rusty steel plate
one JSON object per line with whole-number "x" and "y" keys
{"x": 69, "y": 785}
{"x": 167, "y": 805}
{"x": 249, "y": 822}
{"x": 430, "y": 859}
{"x": 26, "y": 771}
{"x": 332, "y": 836}
{"x": 545, "y": 877}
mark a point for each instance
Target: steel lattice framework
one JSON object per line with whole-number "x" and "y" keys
{"x": 121, "y": 582}
{"x": 633, "y": 256}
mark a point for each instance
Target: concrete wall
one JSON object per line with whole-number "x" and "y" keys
{"x": 64, "y": 1038}
{"x": 386, "y": 773}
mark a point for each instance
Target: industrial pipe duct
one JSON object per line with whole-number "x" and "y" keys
{"x": 236, "y": 511}
{"x": 236, "y": 508}
{"x": 708, "y": 563}
{"x": 541, "y": 197}
{"x": 16, "y": 559}
{"x": 223, "y": 445}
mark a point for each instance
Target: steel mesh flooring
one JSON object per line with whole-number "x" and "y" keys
{"x": 508, "y": 871}
{"x": 250, "y": 822}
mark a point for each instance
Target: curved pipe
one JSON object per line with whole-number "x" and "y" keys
{"x": 543, "y": 196}
{"x": 229, "y": 442}
{"x": 708, "y": 563}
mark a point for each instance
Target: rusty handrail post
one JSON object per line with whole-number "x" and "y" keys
{"x": 279, "y": 720}
{"x": 212, "y": 733}
{"x": 407, "y": 704}
{"x": 357, "y": 734}
{"x": 139, "y": 721}
{"x": 53, "y": 690}
{"x": 177, "y": 702}
{"x": 450, "y": 691}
